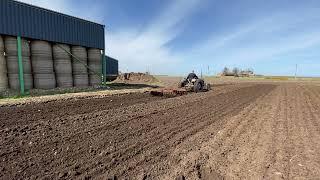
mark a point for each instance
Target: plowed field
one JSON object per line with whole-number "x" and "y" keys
{"x": 236, "y": 131}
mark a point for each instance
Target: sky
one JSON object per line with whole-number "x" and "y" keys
{"x": 174, "y": 37}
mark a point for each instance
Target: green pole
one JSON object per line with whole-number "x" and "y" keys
{"x": 21, "y": 80}
{"x": 104, "y": 67}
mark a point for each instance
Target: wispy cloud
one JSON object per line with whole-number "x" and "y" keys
{"x": 62, "y": 6}
{"x": 137, "y": 49}
{"x": 264, "y": 38}
{"x": 253, "y": 40}
{"x": 88, "y": 11}
{"x": 147, "y": 47}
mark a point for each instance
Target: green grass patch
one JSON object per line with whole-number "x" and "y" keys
{"x": 14, "y": 95}
{"x": 19, "y": 96}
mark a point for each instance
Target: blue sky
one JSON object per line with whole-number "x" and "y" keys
{"x": 177, "y": 36}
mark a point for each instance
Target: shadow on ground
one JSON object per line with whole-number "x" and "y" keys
{"x": 130, "y": 86}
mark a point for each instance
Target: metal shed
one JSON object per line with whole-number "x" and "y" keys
{"x": 112, "y": 66}
{"x": 20, "y": 19}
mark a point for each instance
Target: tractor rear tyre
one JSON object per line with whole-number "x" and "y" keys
{"x": 198, "y": 86}
{"x": 180, "y": 85}
{"x": 208, "y": 87}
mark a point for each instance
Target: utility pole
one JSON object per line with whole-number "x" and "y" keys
{"x": 295, "y": 74}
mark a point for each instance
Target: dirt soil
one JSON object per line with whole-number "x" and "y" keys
{"x": 136, "y": 78}
{"x": 236, "y": 131}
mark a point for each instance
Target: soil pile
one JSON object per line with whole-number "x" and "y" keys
{"x": 136, "y": 78}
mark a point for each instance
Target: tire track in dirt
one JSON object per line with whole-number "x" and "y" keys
{"x": 189, "y": 128}
{"x": 24, "y": 114}
{"x": 129, "y": 134}
{"x": 193, "y": 162}
{"x": 116, "y": 135}
{"x": 115, "y": 141}
{"x": 306, "y": 161}
{"x": 293, "y": 138}
{"x": 277, "y": 166}
{"x": 315, "y": 90}
{"x": 301, "y": 136}
{"x": 258, "y": 139}
{"x": 275, "y": 137}
{"x": 313, "y": 104}
{"x": 248, "y": 156}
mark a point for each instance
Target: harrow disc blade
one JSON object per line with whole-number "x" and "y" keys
{"x": 168, "y": 92}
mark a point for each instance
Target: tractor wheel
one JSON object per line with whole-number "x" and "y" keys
{"x": 180, "y": 85}
{"x": 208, "y": 87}
{"x": 198, "y": 86}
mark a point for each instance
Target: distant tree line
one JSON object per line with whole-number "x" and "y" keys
{"x": 237, "y": 72}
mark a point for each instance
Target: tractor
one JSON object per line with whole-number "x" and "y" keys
{"x": 194, "y": 84}
{"x": 190, "y": 84}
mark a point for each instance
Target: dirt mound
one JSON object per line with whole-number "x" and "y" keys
{"x": 136, "y": 78}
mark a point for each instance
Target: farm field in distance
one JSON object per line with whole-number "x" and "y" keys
{"x": 262, "y": 129}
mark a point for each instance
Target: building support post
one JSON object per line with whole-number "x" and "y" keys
{"x": 104, "y": 64}
{"x": 21, "y": 79}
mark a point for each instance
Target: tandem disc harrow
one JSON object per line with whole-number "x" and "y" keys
{"x": 168, "y": 92}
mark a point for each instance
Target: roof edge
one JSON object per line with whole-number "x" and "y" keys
{"x": 56, "y": 12}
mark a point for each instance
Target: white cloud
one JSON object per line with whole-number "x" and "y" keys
{"x": 56, "y": 5}
{"x": 140, "y": 50}
{"x": 264, "y": 38}
{"x": 136, "y": 49}
{"x": 247, "y": 44}
{"x": 89, "y": 11}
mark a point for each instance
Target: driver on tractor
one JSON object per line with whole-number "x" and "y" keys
{"x": 192, "y": 76}
{"x": 192, "y": 82}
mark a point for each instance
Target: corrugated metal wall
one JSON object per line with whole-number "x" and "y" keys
{"x": 112, "y": 66}
{"x": 28, "y": 21}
